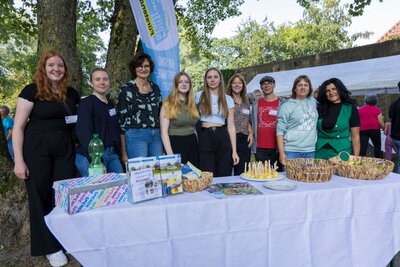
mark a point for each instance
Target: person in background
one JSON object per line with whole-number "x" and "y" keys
{"x": 394, "y": 119}
{"x": 43, "y": 146}
{"x": 296, "y": 131}
{"x": 371, "y": 122}
{"x": 338, "y": 121}
{"x": 217, "y": 142}
{"x": 97, "y": 115}
{"x": 179, "y": 116}
{"x": 264, "y": 119}
{"x": 244, "y": 131}
{"x": 315, "y": 93}
{"x": 138, "y": 109}
{"x": 258, "y": 94}
{"x": 8, "y": 124}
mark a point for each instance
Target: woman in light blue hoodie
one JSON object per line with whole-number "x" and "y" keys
{"x": 296, "y": 131}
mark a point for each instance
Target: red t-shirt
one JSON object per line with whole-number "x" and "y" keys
{"x": 369, "y": 117}
{"x": 266, "y": 124}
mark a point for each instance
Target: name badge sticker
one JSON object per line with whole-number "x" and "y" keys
{"x": 246, "y": 111}
{"x": 273, "y": 112}
{"x": 71, "y": 119}
{"x": 112, "y": 112}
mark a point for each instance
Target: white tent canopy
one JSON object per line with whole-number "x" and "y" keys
{"x": 377, "y": 76}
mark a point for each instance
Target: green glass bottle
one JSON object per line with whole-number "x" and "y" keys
{"x": 95, "y": 150}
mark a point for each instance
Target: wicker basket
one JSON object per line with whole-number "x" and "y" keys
{"x": 369, "y": 169}
{"x": 197, "y": 185}
{"x": 309, "y": 170}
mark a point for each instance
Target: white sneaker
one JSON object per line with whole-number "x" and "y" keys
{"x": 57, "y": 259}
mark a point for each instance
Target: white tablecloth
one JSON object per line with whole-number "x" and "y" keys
{"x": 343, "y": 222}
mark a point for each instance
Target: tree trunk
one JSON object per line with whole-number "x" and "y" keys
{"x": 122, "y": 44}
{"x": 57, "y": 31}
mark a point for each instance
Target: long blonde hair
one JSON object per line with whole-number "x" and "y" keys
{"x": 43, "y": 82}
{"x": 205, "y": 98}
{"x": 172, "y": 105}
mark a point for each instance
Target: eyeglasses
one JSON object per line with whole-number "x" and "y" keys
{"x": 143, "y": 67}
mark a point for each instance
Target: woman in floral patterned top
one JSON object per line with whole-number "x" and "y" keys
{"x": 138, "y": 108}
{"x": 244, "y": 133}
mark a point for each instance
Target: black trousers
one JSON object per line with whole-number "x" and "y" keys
{"x": 375, "y": 136}
{"x": 187, "y": 146}
{"x": 244, "y": 153}
{"x": 271, "y": 154}
{"x": 215, "y": 151}
{"x": 49, "y": 157}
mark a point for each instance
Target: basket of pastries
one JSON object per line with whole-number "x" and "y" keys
{"x": 365, "y": 168}
{"x": 197, "y": 184}
{"x": 309, "y": 170}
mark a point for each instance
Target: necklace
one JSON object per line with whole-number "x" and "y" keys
{"x": 143, "y": 88}
{"x": 236, "y": 99}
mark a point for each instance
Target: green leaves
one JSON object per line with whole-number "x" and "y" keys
{"x": 199, "y": 18}
{"x": 355, "y": 9}
{"x": 323, "y": 28}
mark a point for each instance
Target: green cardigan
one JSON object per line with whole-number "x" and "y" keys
{"x": 338, "y": 139}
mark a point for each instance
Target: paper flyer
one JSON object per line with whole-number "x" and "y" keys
{"x": 143, "y": 185}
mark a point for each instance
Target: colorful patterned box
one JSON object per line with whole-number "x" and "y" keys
{"x": 85, "y": 193}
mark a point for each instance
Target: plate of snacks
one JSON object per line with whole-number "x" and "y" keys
{"x": 261, "y": 172}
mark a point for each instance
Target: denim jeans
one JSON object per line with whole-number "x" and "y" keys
{"x": 10, "y": 150}
{"x": 110, "y": 160}
{"x": 296, "y": 155}
{"x": 396, "y": 146}
{"x": 145, "y": 142}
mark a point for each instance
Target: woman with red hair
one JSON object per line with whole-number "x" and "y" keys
{"x": 43, "y": 146}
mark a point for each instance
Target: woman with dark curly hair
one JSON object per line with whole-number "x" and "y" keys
{"x": 339, "y": 121}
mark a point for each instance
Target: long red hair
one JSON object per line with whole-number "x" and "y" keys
{"x": 43, "y": 83}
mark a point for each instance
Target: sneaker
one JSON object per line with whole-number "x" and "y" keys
{"x": 57, "y": 259}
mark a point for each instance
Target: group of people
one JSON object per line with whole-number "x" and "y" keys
{"x": 214, "y": 129}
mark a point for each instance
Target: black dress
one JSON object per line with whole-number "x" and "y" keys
{"x": 48, "y": 152}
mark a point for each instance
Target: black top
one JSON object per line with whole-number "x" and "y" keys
{"x": 137, "y": 110}
{"x": 394, "y": 115}
{"x": 50, "y": 115}
{"x": 95, "y": 116}
{"x": 329, "y": 121}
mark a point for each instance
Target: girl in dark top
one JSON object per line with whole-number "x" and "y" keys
{"x": 338, "y": 121}
{"x": 244, "y": 132}
{"x": 43, "y": 146}
{"x": 179, "y": 116}
{"x": 138, "y": 110}
{"x": 97, "y": 115}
